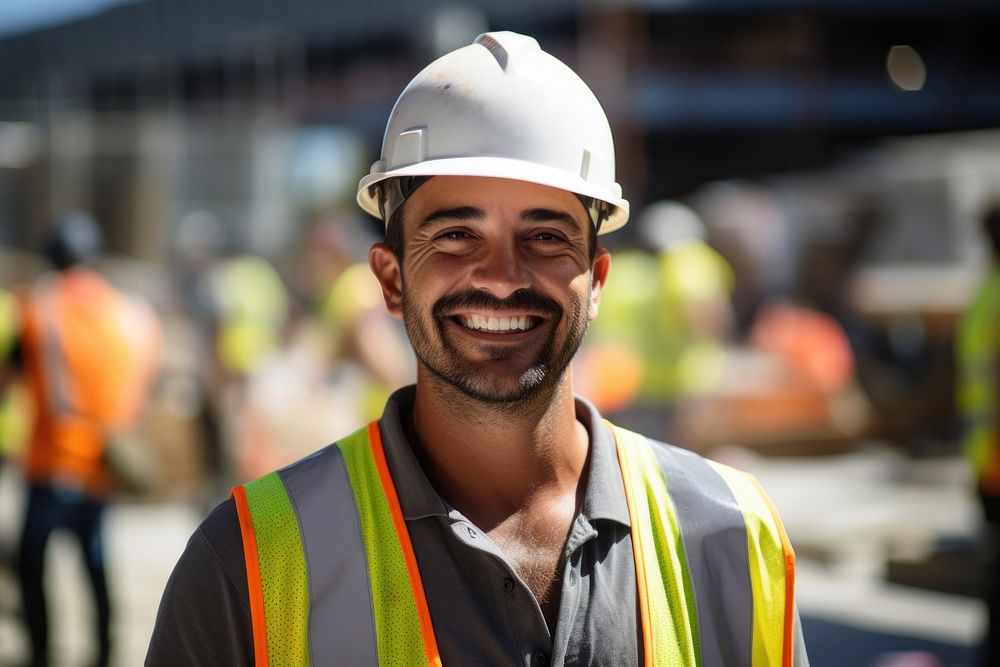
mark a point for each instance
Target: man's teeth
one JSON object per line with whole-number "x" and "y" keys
{"x": 482, "y": 322}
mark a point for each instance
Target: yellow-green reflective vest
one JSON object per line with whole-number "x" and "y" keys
{"x": 977, "y": 341}
{"x": 647, "y": 308}
{"x": 714, "y": 569}
{"x": 8, "y": 323}
{"x": 13, "y": 420}
{"x": 252, "y": 304}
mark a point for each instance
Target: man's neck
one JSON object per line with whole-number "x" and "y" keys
{"x": 490, "y": 462}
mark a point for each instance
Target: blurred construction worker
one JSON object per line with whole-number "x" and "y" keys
{"x": 978, "y": 348}
{"x": 87, "y": 354}
{"x": 250, "y": 308}
{"x": 670, "y": 310}
{"x": 362, "y": 332}
{"x": 239, "y": 303}
{"x": 489, "y": 516}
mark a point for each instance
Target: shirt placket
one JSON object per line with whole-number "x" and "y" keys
{"x": 532, "y": 639}
{"x": 569, "y": 604}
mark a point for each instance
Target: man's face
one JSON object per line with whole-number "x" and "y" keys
{"x": 498, "y": 286}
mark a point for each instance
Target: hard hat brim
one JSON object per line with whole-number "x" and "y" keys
{"x": 496, "y": 167}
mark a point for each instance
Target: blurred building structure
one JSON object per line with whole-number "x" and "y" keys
{"x": 156, "y": 107}
{"x": 839, "y": 150}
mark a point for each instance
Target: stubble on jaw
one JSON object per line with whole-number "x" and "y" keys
{"x": 460, "y": 379}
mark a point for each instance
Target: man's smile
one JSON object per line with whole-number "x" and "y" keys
{"x": 497, "y": 323}
{"x": 488, "y": 318}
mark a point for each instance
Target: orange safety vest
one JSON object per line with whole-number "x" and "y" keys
{"x": 89, "y": 354}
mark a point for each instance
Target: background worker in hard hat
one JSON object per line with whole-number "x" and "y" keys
{"x": 87, "y": 354}
{"x": 239, "y": 305}
{"x": 666, "y": 316}
{"x": 978, "y": 348}
{"x": 489, "y": 516}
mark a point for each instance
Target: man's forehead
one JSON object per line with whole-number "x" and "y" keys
{"x": 476, "y": 198}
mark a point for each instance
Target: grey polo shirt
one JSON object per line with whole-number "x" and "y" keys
{"x": 482, "y": 612}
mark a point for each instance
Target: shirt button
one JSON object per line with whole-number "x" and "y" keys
{"x": 508, "y": 585}
{"x": 541, "y": 659}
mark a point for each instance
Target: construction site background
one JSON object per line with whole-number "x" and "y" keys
{"x": 828, "y": 169}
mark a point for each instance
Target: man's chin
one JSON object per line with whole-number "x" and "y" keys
{"x": 499, "y": 388}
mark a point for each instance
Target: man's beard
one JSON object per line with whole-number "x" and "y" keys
{"x": 535, "y": 383}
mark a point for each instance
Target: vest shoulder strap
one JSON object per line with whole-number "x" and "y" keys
{"x": 282, "y": 529}
{"x": 276, "y": 572}
{"x": 714, "y": 568}
{"x": 403, "y": 626}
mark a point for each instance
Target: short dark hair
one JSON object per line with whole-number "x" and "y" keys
{"x": 394, "y": 234}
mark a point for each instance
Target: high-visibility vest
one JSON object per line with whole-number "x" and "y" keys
{"x": 252, "y": 305}
{"x": 90, "y": 353}
{"x": 646, "y": 308}
{"x": 11, "y": 408}
{"x": 333, "y": 578}
{"x": 8, "y": 323}
{"x": 977, "y": 341}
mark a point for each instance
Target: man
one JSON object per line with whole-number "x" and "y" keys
{"x": 87, "y": 353}
{"x": 489, "y": 517}
{"x": 977, "y": 346}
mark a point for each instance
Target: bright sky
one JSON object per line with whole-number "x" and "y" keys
{"x": 22, "y": 15}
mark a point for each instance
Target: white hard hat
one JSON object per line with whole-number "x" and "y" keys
{"x": 501, "y": 107}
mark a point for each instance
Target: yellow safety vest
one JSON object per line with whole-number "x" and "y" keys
{"x": 13, "y": 420}
{"x": 645, "y": 309}
{"x": 977, "y": 341}
{"x": 252, "y": 307}
{"x": 333, "y": 578}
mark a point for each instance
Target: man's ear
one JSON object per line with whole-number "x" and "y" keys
{"x": 599, "y": 276}
{"x": 385, "y": 266}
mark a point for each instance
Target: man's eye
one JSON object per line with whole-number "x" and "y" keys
{"x": 546, "y": 237}
{"x": 454, "y": 236}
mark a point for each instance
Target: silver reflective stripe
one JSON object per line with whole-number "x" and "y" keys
{"x": 341, "y": 621}
{"x": 715, "y": 543}
{"x": 53, "y": 361}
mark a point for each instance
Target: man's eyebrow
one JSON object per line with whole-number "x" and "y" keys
{"x": 550, "y": 215}
{"x": 460, "y": 213}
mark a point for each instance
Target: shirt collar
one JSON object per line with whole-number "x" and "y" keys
{"x": 604, "y": 498}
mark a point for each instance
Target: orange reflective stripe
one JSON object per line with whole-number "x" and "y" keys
{"x": 789, "y": 554}
{"x": 638, "y": 556}
{"x": 426, "y": 627}
{"x": 253, "y": 577}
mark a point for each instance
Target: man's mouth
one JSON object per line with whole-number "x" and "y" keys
{"x": 491, "y": 323}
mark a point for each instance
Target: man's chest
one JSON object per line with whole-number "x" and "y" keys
{"x": 484, "y": 608}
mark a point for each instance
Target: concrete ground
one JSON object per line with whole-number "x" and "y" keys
{"x": 845, "y": 514}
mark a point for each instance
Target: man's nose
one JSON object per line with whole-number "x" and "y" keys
{"x": 501, "y": 271}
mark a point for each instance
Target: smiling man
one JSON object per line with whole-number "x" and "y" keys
{"x": 490, "y": 516}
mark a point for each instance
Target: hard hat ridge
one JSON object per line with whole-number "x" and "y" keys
{"x": 500, "y": 107}
{"x": 513, "y": 40}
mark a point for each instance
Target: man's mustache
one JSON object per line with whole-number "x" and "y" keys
{"x": 522, "y": 299}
